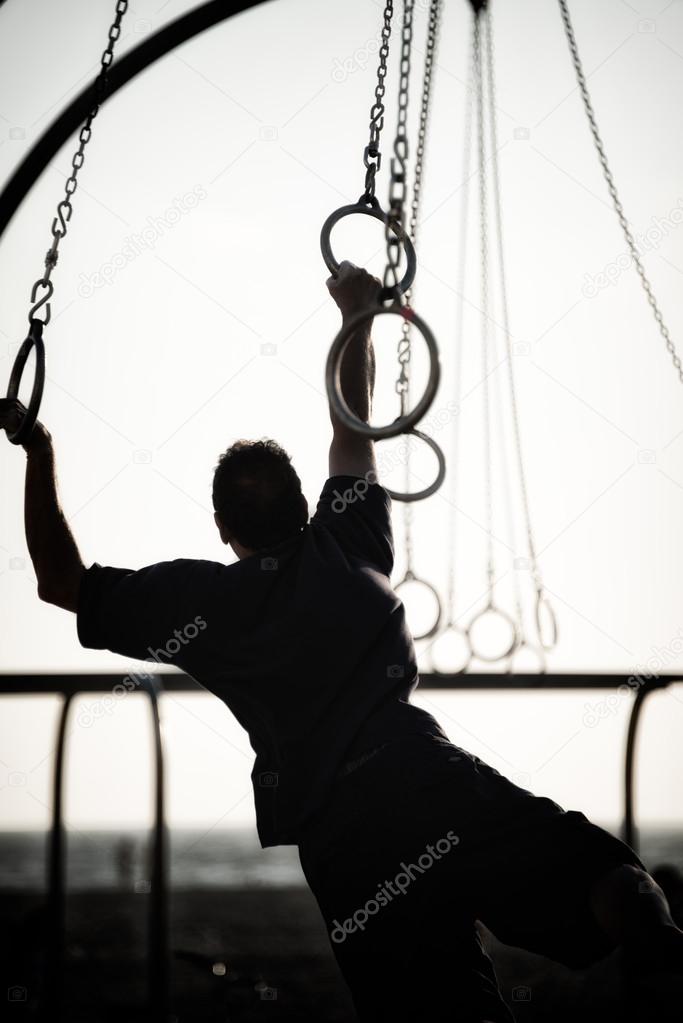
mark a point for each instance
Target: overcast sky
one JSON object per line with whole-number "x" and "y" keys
{"x": 190, "y": 309}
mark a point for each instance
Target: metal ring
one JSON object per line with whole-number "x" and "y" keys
{"x": 33, "y": 340}
{"x": 369, "y": 209}
{"x": 538, "y": 651}
{"x": 543, "y": 602}
{"x": 420, "y": 495}
{"x": 498, "y": 612}
{"x": 451, "y": 627}
{"x": 333, "y": 375}
{"x": 410, "y": 577}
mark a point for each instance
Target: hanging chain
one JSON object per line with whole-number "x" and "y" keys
{"x": 460, "y": 314}
{"x": 399, "y": 165}
{"x": 404, "y": 344}
{"x": 372, "y": 157}
{"x": 497, "y": 206}
{"x": 484, "y": 258}
{"x": 628, "y": 235}
{"x": 64, "y": 207}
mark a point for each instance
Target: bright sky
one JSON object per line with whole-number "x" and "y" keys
{"x": 190, "y": 309}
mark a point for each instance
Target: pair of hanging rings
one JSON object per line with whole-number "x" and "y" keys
{"x": 406, "y": 423}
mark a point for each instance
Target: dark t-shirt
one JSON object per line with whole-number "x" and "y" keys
{"x": 306, "y": 643}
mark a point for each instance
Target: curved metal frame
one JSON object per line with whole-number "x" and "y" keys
{"x": 410, "y": 577}
{"x": 370, "y": 209}
{"x": 122, "y": 71}
{"x": 451, "y": 627}
{"x": 497, "y": 612}
{"x": 420, "y": 495}
{"x": 333, "y": 375}
{"x": 542, "y": 602}
{"x": 34, "y": 340}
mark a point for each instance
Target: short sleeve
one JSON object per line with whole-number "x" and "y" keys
{"x": 143, "y": 614}
{"x": 358, "y": 514}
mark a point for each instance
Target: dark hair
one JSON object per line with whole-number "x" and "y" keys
{"x": 257, "y": 494}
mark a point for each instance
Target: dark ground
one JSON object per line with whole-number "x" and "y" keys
{"x": 276, "y": 962}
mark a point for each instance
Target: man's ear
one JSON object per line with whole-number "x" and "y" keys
{"x": 221, "y": 529}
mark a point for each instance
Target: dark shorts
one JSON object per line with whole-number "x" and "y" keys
{"x": 422, "y": 840}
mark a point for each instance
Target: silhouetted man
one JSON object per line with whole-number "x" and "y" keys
{"x": 405, "y": 839}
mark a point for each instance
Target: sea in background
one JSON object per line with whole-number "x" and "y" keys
{"x": 200, "y": 859}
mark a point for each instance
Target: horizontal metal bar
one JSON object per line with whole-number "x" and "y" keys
{"x": 71, "y": 683}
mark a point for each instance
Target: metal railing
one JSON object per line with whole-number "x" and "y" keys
{"x": 70, "y": 685}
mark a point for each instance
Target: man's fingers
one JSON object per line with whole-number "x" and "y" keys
{"x": 11, "y": 413}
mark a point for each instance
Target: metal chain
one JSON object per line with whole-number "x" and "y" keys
{"x": 404, "y": 351}
{"x": 628, "y": 235}
{"x": 460, "y": 316}
{"x": 64, "y": 207}
{"x": 497, "y": 206}
{"x": 399, "y": 162}
{"x": 404, "y": 344}
{"x": 372, "y": 157}
{"x": 484, "y": 258}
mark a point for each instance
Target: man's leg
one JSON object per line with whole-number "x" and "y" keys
{"x": 632, "y": 909}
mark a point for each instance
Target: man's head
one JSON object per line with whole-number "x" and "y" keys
{"x": 257, "y": 496}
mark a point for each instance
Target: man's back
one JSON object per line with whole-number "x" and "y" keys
{"x": 306, "y": 642}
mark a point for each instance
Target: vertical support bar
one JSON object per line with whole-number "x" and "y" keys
{"x": 630, "y": 831}
{"x": 158, "y": 906}
{"x": 52, "y": 994}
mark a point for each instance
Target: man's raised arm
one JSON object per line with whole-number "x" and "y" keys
{"x": 354, "y": 290}
{"x": 56, "y": 560}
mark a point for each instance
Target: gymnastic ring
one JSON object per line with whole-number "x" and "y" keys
{"x": 450, "y": 627}
{"x": 34, "y": 340}
{"x": 370, "y": 208}
{"x": 420, "y": 495}
{"x": 491, "y": 609}
{"x": 542, "y": 602}
{"x": 410, "y": 577}
{"x": 333, "y": 374}
{"x": 537, "y": 650}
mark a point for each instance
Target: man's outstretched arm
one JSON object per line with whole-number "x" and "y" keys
{"x": 56, "y": 560}
{"x": 354, "y": 290}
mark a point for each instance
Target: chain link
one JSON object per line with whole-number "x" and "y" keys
{"x": 372, "y": 157}
{"x": 484, "y": 264}
{"x": 65, "y": 207}
{"x": 454, "y": 467}
{"x": 404, "y": 347}
{"x": 612, "y": 188}
{"x": 399, "y": 165}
